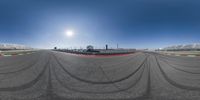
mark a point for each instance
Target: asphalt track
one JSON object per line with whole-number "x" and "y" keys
{"x": 50, "y": 75}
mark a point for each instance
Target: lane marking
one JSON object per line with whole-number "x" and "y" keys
{"x": 182, "y": 55}
{"x": 15, "y": 54}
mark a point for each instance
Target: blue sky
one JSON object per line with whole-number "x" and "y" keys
{"x": 129, "y": 23}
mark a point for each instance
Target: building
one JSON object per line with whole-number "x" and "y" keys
{"x": 106, "y": 47}
{"x": 187, "y": 47}
{"x": 90, "y": 48}
{"x": 4, "y": 46}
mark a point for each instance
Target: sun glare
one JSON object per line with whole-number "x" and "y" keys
{"x": 69, "y": 33}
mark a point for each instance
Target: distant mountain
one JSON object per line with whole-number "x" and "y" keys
{"x": 195, "y": 46}
{"x": 6, "y": 46}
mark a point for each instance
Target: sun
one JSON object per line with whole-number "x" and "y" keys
{"x": 69, "y": 33}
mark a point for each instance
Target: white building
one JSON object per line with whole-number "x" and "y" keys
{"x": 6, "y": 46}
{"x": 195, "y": 46}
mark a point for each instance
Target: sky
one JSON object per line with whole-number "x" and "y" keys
{"x": 128, "y": 23}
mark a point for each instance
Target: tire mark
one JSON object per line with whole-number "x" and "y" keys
{"x": 108, "y": 78}
{"x": 173, "y": 82}
{"x": 127, "y": 60}
{"x": 49, "y": 91}
{"x": 97, "y": 92}
{"x": 180, "y": 68}
{"x": 14, "y": 63}
{"x": 95, "y": 82}
{"x": 29, "y": 84}
{"x": 122, "y": 62}
{"x": 164, "y": 57}
{"x": 147, "y": 94}
{"x": 22, "y": 69}
{"x": 114, "y": 84}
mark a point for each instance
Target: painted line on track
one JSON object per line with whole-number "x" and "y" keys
{"x": 183, "y": 55}
{"x": 15, "y": 54}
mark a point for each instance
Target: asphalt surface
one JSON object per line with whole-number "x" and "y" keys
{"x": 50, "y": 75}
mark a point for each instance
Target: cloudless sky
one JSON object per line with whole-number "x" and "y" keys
{"x": 129, "y": 23}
